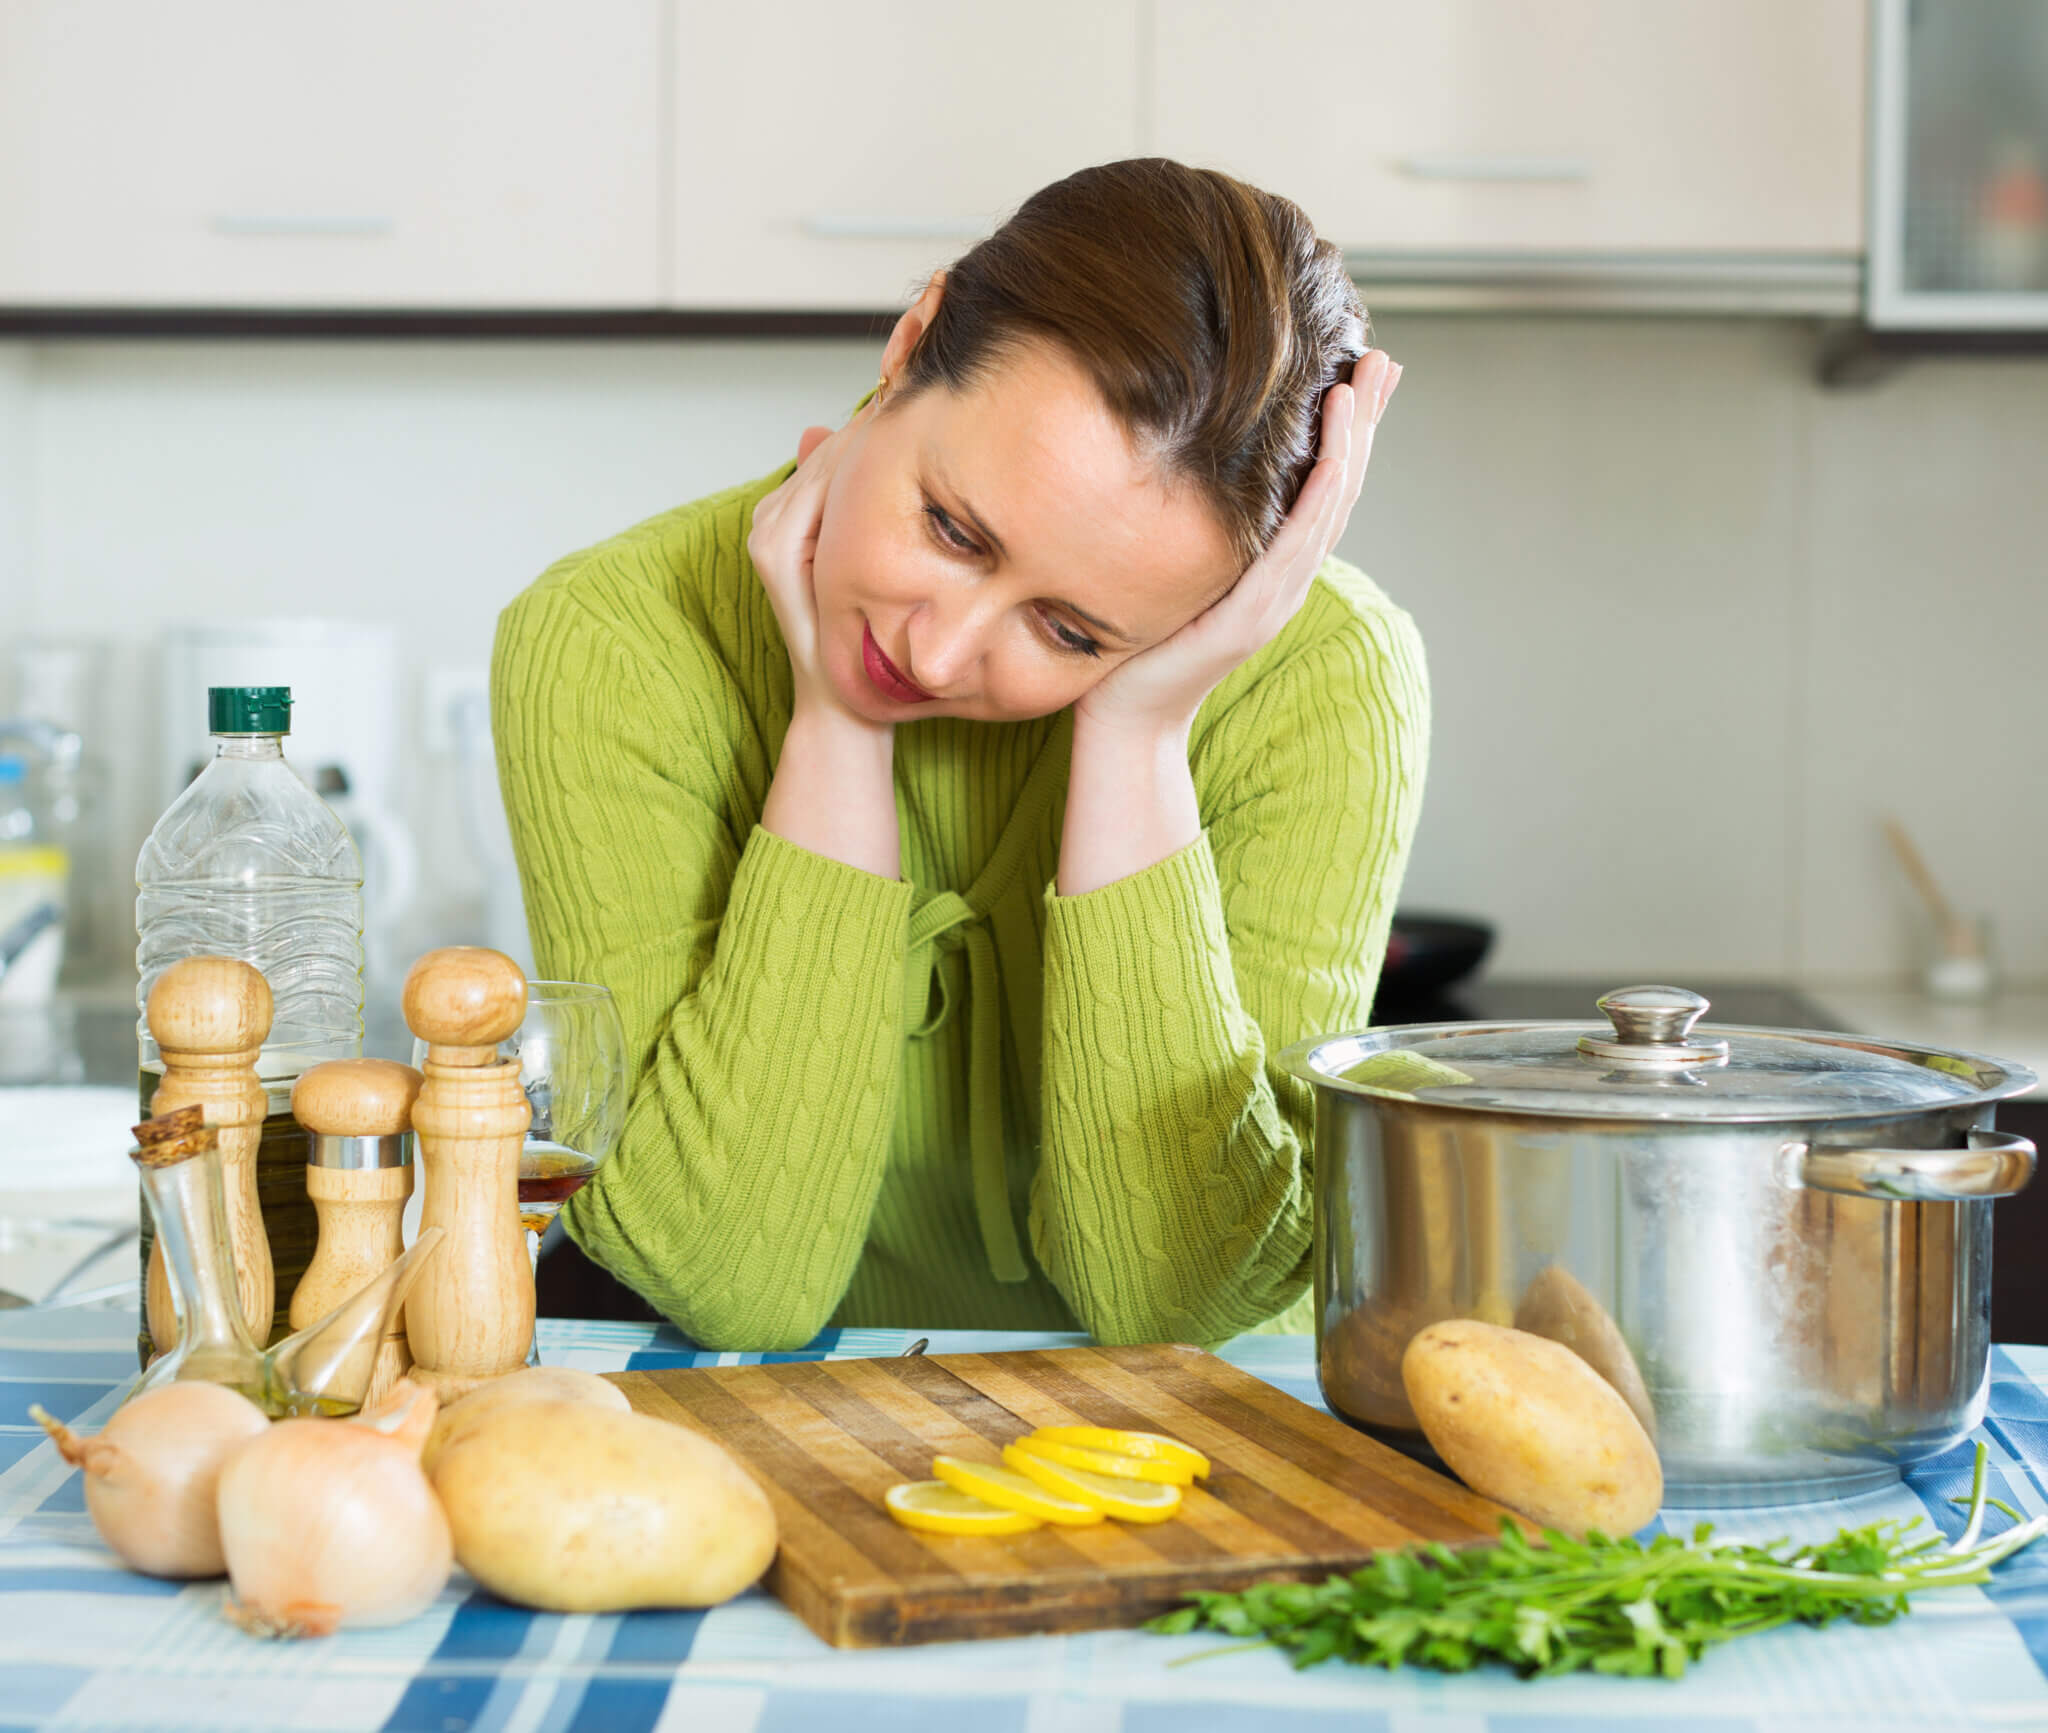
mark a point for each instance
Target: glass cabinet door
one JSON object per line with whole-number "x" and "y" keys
{"x": 1959, "y": 184}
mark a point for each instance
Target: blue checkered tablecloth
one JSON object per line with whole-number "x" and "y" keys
{"x": 84, "y": 1644}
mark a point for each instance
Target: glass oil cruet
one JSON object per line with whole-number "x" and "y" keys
{"x": 324, "y": 1369}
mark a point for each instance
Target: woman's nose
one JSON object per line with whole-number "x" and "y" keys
{"x": 946, "y": 642}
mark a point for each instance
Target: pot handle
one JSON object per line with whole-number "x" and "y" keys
{"x": 1995, "y": 1164}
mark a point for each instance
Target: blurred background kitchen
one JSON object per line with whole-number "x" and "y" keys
{"x": 1718, "y": 483}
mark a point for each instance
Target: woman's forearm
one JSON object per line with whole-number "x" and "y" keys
{"x": 834, "y": 790}
{"x": 1154, "y": 1091}
{"x": 1130, "y": 804}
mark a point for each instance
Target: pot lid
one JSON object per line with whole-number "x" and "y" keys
{"x": 1650, "y": 1061}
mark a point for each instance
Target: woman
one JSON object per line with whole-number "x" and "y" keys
{"x": 966, "y": 815}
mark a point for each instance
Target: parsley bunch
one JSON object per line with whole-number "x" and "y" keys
{"x": 1611, "y": 1606}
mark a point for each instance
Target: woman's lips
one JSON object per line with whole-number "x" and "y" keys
{"x": 883, "y": 673}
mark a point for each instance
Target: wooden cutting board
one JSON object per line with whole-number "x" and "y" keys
{"x": 1291, "y": 1493}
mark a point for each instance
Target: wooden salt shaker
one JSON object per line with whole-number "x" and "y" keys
{"x": 210, "y": 1017}
{"x": 470, "y": 1316}
{"x": 358, "y": 1119}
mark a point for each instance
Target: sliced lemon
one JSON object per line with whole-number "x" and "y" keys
{"x": 1108, "y": 1462}
{"x": 1154, "y": 1446}
{"x": 1013, "y": 1491}
{"x": 1130, "y": 1500}
{"x": 940, "y": 1509}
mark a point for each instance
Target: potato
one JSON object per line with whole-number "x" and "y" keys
{"x": 577, "y": 1508}
{"x": 1524, "y": 1421}
{"x": 1360, "y": 1365}
{"x": 1557, "y": 1305}
{"x": 534, "y": 1384}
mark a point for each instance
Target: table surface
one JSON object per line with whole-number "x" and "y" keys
{"x": 85, "y": 1644}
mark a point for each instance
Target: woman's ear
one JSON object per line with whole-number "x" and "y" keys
{"x": 915, "y": 321}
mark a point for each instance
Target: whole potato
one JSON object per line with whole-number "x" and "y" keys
{"x": 1523, "y": 1420}
{"x": 1360, "y": 1363}
{"x": 531, "y": 1384}
{"x": 577, "y": 1508}
{"x": 1557, "y": 1305}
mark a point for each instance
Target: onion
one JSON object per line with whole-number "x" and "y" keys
{"x": 151, "y": 1472}
{"x": 328, "y": 1523}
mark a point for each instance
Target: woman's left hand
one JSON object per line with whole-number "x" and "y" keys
{"x": 1158, "y": 691}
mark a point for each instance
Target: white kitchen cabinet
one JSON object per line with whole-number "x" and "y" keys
{"x": 1537, "y": 126}
{"x": 831, "y": 153}
{"x": 278, "y": 153}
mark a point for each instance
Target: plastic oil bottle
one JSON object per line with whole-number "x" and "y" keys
{"x": 249, "y": 862}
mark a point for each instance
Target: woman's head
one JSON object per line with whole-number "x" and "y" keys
{"x": 1094, "y": 422}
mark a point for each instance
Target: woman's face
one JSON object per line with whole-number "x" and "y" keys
{"x": 994, "y": 553}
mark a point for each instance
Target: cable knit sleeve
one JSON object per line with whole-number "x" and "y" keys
{"x": 760, "y": 984}
{"x": 1173, "y": 1199}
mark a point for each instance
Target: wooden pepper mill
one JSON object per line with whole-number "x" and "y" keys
{"x": 470, "y": 1317}
{"x": 358, "y": 1119}
{"x": 210, "y": 1017}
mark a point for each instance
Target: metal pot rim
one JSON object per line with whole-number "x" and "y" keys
{"x": 1297, "y": 1058}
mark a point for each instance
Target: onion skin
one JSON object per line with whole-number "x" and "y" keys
{"x": 331, "y": 1523}
{"x": 152, "y": 1473}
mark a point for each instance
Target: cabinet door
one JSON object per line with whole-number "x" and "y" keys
{"x": 384, "y": 153}
{"x": 831, "y": 153}
{"x": 1530, "y": 125}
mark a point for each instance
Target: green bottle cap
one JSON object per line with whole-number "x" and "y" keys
{"x": 249, "y": 709}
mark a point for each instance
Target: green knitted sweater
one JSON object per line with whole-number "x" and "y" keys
{"x": 956, "y": 1100}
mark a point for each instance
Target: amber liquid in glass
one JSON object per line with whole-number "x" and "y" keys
{"x": 290, "y": 1222}
{"x": 549, "y": 1176}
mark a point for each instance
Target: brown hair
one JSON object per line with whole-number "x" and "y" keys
{"x": 1208, "y": 313}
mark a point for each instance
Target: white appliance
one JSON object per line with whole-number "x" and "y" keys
{"x": 345, "y": 685}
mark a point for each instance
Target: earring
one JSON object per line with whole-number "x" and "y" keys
{"x": 881, "y": 385}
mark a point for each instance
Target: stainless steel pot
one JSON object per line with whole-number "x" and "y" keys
{"x": 1775, "y": 1244}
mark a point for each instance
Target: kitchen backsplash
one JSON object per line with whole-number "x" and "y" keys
{"x": 1694, "y": 623}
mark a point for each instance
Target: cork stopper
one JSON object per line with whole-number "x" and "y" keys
{"x": 173, "y": 1137}
{"x": 356, "y": 1098}
{"x": 210, "y": 1005}
{"x": 466, "y": 998}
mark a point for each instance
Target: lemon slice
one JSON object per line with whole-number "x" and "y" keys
{"x": 934, "y": 1506}
{"x": 1155, "y": 1446}
{"x": 1012, "y": 1491}
{"x": 1131, "y": 1500}
{"x": 1108, "y": 1462}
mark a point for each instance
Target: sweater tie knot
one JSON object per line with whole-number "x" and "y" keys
{"x": 946, "y": 922}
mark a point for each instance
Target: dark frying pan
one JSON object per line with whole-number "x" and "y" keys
{"x": 1427, "y": 953}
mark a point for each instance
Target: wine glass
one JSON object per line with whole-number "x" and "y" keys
{"x": 571, "y": 1049}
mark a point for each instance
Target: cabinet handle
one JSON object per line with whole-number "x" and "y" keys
{"x": 1496, "y": 168}
{"x": 264, "y": 225}
{"x": 832, "y": 226}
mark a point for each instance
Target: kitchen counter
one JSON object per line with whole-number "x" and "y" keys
{"x": 84, "y": 1645}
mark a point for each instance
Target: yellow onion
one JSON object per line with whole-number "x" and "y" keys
{"x": 151, "y": 1473}
{"x": 331, "y": 1523}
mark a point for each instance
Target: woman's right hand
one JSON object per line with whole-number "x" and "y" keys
{"x": 833, "y": 791}
{"x": 783, "y": 544}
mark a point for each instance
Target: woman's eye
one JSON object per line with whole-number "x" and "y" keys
{"x": 1068, "y": 639}
{"x": 949, "y": 532}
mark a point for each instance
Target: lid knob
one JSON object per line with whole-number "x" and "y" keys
{"x": 1653, "y": 1013}
{"x": 356, "y": 1098}
{"x": 210, "y": 1005}
{"x": 464, "y": 996}
{"x": 1652, "y": 1026}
